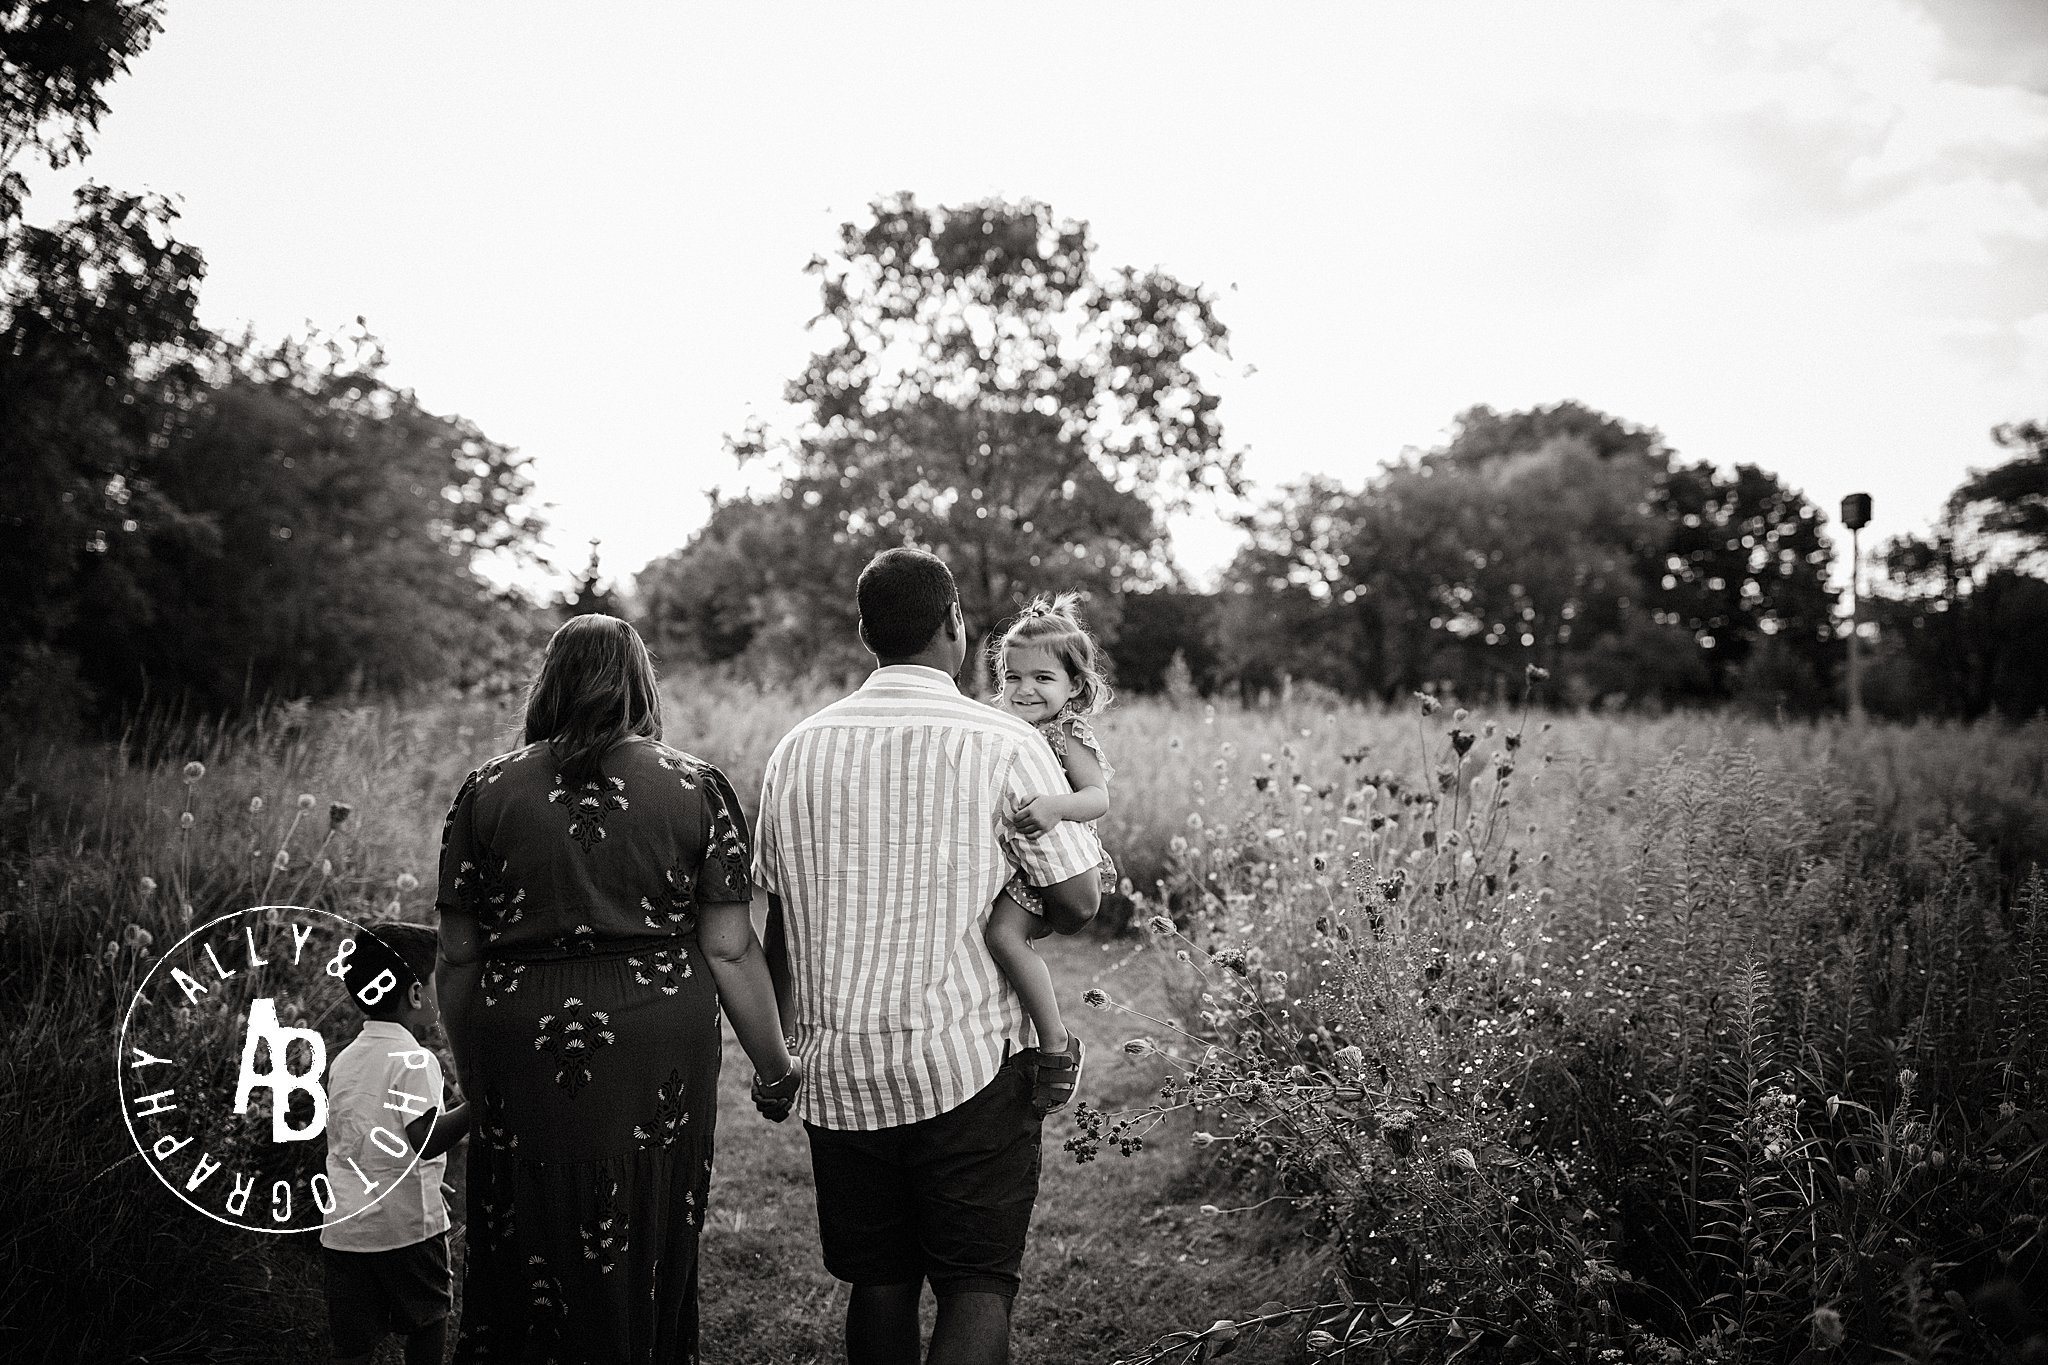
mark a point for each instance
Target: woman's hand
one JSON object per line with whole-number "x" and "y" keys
{"x": 776, "y": 1098}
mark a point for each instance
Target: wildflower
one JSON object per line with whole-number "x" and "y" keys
{"x": 1907, "y": 1076}
{"x": 1319, "y": 861}
{"x": 282, "y": 861}
{"x": 1173, "y": 743}
{"x": 1461, "y": 741}
{"x": 181, "y": 1017}
{"x": 1430, "y": 705}
{"x": 1827, "y": 1328}
{"x": 1201, "y": 1139}
{"x": 1211, "y": 1210}
{"x": 408, "y": 882}
{"x": 1095, "y": 998}
{"x": 2006, "y": 1109}
{"x": 1220, "y": 765}
{"x": 149, "y": 886}
{"x": 1937, "y": 1158}
{"x": 1862, "y": 1176}
{"x": 1139, "y": 1047}
{"x": 1159, "y": 924}
{"x": 185, "y": 913}
{"x": 111, "y": 953}
{"x": 1227, "y": 749}
{"x": 1194, "y": 819}
{"x": 1177, "y": 845}
{"x": 1462, "y": 1158}
{"x": 1458, "y": 716}
{"x": 395, "y": 908}
{"x": 1276, "y": 834}
{"x": 338, "y": 813}
{"x": 305, "y": 800}
{"x": 326, "y": 868}
{"x": 194, "y": 771}
{"x": 185, "y": 820}
{"x": 255, "y": 805}
{"x": 138, "y": 938}
{"x": 1349, "y": 1059}
{"x": 1535, "y": 674}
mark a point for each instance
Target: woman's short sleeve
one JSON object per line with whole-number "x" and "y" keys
{"x": 1078, "y": 728}
{"x": 726, "y": 874}
{"x": 458, "y": 886}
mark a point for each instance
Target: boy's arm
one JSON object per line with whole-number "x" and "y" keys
{"x": 431, "y": 1138}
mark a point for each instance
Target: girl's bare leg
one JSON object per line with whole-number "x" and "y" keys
{"x": 1010, "y": 930}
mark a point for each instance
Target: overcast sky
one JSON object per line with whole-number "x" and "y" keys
{"x": 1812, "y": 237}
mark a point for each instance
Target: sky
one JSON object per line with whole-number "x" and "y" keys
{"x": 1810, "y": 237}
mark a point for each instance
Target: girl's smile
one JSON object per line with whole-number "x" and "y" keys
{"x": 1035, "y": 683}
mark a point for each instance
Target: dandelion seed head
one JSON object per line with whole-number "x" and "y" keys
{"x": 148, "y": 886}
{"x": 1095, "y": 998}
{"x": 137, "y": 937}
{"x": 194, "y": 771}
{"x": 255, "y": 805}
{"x": 185, "y": 820}
{"x": 282, "y": 861}
{"x": 408, "y": 882}
{"x": 306, "y": 801}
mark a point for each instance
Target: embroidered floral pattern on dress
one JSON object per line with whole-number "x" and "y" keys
{"x": 491, "y": 897}
{"x": 492, "y": 1129}
{"x": 670, "y": 1118}
{"x": 728, "y": 850}
{"x": 603, "y": 1237}
{"x": 686, "y": 772}
{"x": 678, "y": 904}
{"x": 500, "y": 979}
{"x": 588, "y": 805}
{"x": 666, "y": 968}
{"x": 574, "y": 1038}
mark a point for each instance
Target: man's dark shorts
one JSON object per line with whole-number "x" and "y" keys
{"x": 947, "y": 1199}
{"x": 371, "y": 1294}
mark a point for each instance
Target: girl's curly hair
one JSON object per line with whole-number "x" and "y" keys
{"x": 1054, "y": 624}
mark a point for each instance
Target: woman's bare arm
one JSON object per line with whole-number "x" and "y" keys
{"x": 745, "y": 992}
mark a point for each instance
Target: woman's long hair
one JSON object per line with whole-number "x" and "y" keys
{"x": 595, "y": 688}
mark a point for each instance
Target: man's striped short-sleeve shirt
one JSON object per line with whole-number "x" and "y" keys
{"x": 884, "y": 829}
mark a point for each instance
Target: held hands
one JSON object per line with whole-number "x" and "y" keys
{"x": 1036, "y": 816}
{"x": 775, "y": 1099}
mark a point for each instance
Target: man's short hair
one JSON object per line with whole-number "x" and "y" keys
{"x": 405, "y": 950}
{"x": 903, "y": 594}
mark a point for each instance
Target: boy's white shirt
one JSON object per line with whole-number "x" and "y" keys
{"x": 380, "y": 1081}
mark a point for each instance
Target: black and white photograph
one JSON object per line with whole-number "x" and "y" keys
{"x": 1093, "y": 683}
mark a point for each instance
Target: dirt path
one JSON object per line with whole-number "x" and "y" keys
{"x": 1120, "y": 1253}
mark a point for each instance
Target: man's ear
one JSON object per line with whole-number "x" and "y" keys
{"x": 861, "y": 629}
{"x": 956, "y": 624}
{"x": 416, "y": 995}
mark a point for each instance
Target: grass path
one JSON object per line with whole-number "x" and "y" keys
{"x": 1120, "y": 1253}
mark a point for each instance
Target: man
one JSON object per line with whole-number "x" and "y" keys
{"x": 884, "y": 839}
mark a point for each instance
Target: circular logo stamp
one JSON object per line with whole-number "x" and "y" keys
{"x": 225, "y": 1060}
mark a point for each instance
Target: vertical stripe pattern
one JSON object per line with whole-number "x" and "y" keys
{"x": 884, "y": 829}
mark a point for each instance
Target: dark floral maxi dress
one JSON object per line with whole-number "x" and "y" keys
{"x": 596, "y": 1048}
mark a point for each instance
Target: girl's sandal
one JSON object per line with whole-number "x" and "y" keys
{"x": 1056, "y": 1077}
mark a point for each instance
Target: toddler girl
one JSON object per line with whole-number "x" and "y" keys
{"x": 1050, "y": 674}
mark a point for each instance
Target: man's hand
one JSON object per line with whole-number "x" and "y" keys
{"x": 776, "y": 1099}
{"x": 1035, "y": 817}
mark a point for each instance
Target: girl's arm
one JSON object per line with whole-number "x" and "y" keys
{"x": 740, "y": 969}
{"x": 1089, "y": 800}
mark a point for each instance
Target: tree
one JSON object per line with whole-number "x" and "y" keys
{"x": 1744, "y": 560}
{"x": 55, "y": 56}
{"x": 986, "y": 392}
{"x": 98, "y": 338}
{"x": 329, "y": 535}
{"x": 2011, "y": 499}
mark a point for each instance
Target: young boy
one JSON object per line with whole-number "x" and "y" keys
{"x": 385, "y": 1247}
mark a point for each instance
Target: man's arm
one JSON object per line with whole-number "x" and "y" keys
{"x": 775, "y": 946}
{"x": 1070, "y": 904}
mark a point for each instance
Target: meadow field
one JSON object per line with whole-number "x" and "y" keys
{"x": 1421, "y": 1035}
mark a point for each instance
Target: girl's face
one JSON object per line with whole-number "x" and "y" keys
{"x": 1035, "y": 683}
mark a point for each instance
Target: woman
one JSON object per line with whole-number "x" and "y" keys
{"x": 594, "y": 914}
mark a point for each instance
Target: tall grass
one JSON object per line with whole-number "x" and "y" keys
{"x": 1677, "y": 1041}
{"x": 1720, "y": 943}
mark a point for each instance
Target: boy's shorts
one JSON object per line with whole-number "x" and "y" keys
{"x": 946, "y": 1199}
{"x": 371, "y": 1294}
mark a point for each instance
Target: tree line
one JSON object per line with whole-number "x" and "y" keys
{"x": 202, "y": 520}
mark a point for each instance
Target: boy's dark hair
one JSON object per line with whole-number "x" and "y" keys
{"x": 405, "y": 950}
{"x": 903, "y": 595}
